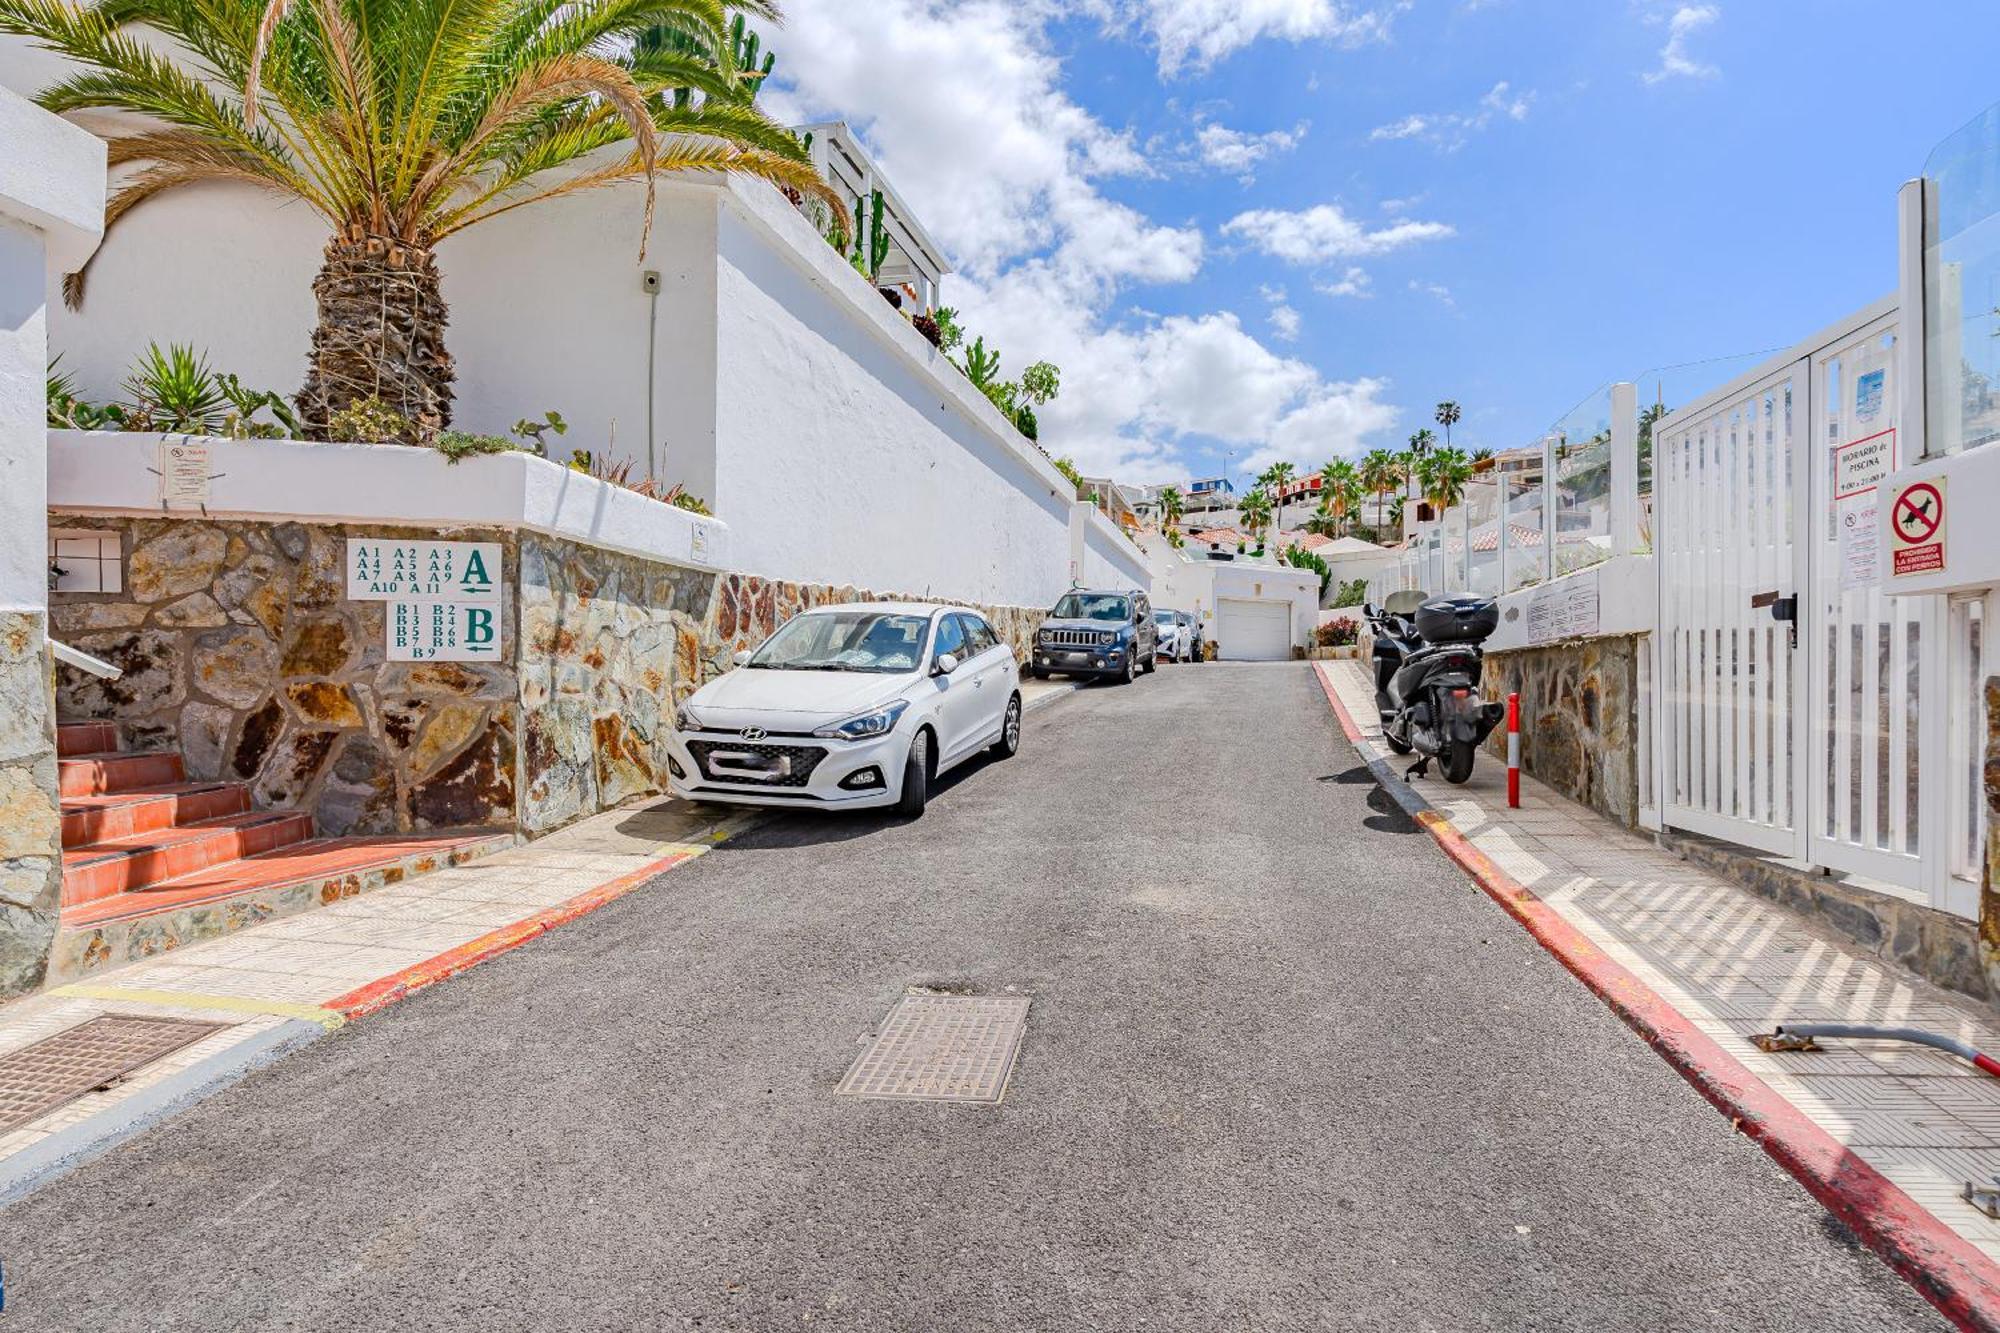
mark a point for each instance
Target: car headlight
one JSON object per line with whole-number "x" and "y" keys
{"x": 685, "y": 720}
{"x": 876, "y": 722}
{"x": 1109, "y": 636}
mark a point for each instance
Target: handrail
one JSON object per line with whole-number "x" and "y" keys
{"x": 83, "y": 661}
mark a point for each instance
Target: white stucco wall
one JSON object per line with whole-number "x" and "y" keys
{"x": 849, "y": 449}
{"x": 1110, "y": 560}
{"x": 1190, "y": 582}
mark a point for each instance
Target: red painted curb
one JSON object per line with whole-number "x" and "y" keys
{"x": 385, "y": 991}
{"x": 1949, "y": 1271}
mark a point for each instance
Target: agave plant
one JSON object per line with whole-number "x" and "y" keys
{"x": 404, "y": 122}
{"x": 175, "y": 390}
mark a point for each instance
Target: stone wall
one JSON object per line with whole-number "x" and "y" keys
{"x": 1578, "y": 721}
{"x": 30, "y": 825}
{"x": 240, "y": 648}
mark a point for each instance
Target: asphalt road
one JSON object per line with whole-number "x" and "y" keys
{"x": 1285, "y": 1069}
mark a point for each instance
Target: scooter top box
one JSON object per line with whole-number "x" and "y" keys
{"x": 1458, "y": 619}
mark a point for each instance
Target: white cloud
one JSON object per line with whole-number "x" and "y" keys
{"x": 1435, "y": 289}
{"x": 1284, "y": 320}
{"x": 1450, "y": 130}
{"x": 1355, "y": 282}
{"x": 1238, "y": 150}
{"x": 1324, "y": 232}
{"x": 964, "y": 107}
{"x": 976, "y": 131}
{"x": 1675, "y": 62}
{"x": 1197, "y": 33}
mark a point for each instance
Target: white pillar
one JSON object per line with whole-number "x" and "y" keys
{"x": 1624, "y": 469}
{"x": 1548, "y": 507}
{"x": 1914, "y": 225}
{"x": 51, "y": 215}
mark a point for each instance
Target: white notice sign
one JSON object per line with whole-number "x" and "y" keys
{"x": 1859, "y": 522}
{"x": 390, "y": 571}
{"x": 1565, "y": 609}
{"x": 184, "y": 473}
{"x": 443, "y": 632}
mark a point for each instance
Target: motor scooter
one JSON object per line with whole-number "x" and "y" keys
{"x": 1428, "y": 665}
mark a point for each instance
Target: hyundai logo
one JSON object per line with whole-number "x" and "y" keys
{"x": 752, "y": 733}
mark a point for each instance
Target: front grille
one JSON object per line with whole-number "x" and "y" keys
{"x": 805, "y": 758}
{"x": 1071, "y": 638}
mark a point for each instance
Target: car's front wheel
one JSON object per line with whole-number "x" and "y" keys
{"x": 1009, "y": 743}
{"x": 1038, "y": 673}
{"x": 916, "y": 776}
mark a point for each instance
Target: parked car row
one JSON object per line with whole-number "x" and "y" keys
{"x": 1111, "y": 634}
{"x": 863, "y": 705}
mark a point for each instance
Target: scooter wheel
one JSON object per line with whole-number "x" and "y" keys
{"x": 1458, "y": 761}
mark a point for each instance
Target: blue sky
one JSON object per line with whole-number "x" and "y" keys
{"x": 1286, "y": 228}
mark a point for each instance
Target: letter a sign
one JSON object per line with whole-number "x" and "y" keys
{"x": 1916, "y": 528}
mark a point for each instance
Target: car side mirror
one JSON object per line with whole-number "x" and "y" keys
{"x": 947, "y": 663}
{"x": 742, "y": 656}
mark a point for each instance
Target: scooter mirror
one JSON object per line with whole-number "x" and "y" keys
{"x": 1368, "y": 609}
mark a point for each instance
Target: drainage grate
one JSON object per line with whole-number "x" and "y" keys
{"x": 56, "y": 1070}
{"x": 942, "y": 1048}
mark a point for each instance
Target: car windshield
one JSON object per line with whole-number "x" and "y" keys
{"x": 877, "y": 641}
{"x": 1163, "y": 617}
{"x": 1093, "y": 606}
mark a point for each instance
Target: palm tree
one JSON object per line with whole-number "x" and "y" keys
{"x": 1170, "y": 505}
{"x": 1274, "y": 479}
{"x": 402, "y": 124}
{"x": 1380, "y": 473}
{"x": 1253, "y": 511}
{"x": 1447, "y": 416}
{"x": 1444, "y": 473}
{"x": 1340, "y": 487}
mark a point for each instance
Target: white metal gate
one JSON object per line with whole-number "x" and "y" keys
{"x": 1805, "y": 745}
{"x": 1871, "y": 678}
{"x": 1729, "y": 683}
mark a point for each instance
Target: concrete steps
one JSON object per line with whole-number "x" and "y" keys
{"x": 151, "y": 859}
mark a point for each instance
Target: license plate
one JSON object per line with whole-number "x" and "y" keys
{"x": 760, "y": 767}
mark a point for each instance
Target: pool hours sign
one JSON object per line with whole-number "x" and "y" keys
{"x": 443, "y": 597}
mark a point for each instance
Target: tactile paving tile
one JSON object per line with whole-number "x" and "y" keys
{"x": 56, "y": 1070}
{"x": 941, "y": 1048}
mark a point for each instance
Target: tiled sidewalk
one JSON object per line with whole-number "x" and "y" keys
{"x": 307, "y": 969}
{"x": 1735, "y": 965}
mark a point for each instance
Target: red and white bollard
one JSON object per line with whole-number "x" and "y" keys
{"x": 1514, "y": 751}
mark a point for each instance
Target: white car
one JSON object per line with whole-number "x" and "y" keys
{"x": 850, "y": 707}
{"x": 1176, "y": 635}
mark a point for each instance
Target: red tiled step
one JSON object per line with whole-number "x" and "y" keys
{"x": 92, "y": 775}
{"x": 88, "y": 819}
{"x": 74, "y": 738}
{"x": 301, "y": 862}
{"x": 122, "y": 865}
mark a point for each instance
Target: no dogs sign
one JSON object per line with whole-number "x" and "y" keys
{"x": 1916, "y": 528}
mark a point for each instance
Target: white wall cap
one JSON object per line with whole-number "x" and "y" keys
{"x": 51, "y": 179}
{"x": 109, "y": 472}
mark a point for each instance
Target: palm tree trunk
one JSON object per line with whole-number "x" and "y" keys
{"x": 380, "y": 334}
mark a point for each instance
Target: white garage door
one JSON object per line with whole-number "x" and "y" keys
{"x": 1253, "y": 631}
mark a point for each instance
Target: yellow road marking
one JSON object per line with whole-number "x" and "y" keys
{"x": 236, "y": 1004}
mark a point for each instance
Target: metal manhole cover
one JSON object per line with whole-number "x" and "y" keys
{"x": 942, "y": 1048}
{"x": 55, "y": 1070}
